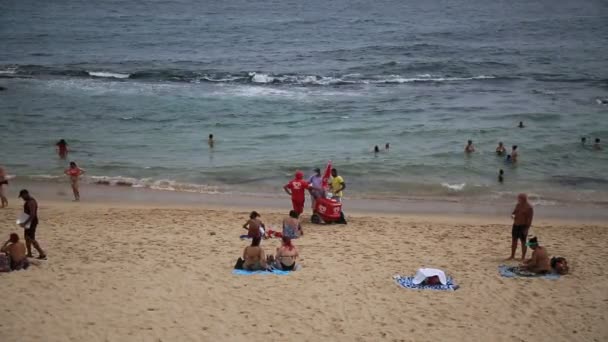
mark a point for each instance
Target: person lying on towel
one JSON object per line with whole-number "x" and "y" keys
{"x": 539, "y": 262}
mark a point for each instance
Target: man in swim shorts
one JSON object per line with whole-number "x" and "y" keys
{"x": 30, "y": 207}
{"x": 316, "y": 186}
{"x": 522, "y": 220}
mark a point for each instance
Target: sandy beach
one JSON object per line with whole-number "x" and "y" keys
{"x": 157, "y": 273}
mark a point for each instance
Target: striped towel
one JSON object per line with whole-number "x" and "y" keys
{"x": 514, "y": 272}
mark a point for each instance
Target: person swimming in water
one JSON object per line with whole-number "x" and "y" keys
{"x": 521, "y": 124}
{"x": 74, "y": 172}
{"x": 500, "y": 149}
{"x": 469, "y": 148}
{"x": 583, "y": 141}
{"x": 376, "y": 149}
{"x": 597, "y": 145}
{"x": 514, "y": 154}
{"x": 210, "y": 141}
{"x": 387, "y": 146}
{"x": 62, "y": 148}
{"x": 501, "y": 175}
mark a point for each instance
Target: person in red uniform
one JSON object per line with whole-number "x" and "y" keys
{"x": 296, "y": 189}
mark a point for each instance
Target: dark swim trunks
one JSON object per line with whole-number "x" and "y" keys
{"x": 288, "y": 268}
{"x": 31, "y": 231}
{"x": 519, "y": 232}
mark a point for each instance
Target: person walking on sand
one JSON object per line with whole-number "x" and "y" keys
{"x": 500, "y": 149}
{"x": 337, "y": 185}
{"x": 74, "y": 172}
{"x": 3, "y": 186}
{"x": 62, "y": 149}
{"x": 295, "y": 188}
{"x": 254, "y": 226}
{"x": 30, "y": 208}
{"x": 469, "y": 148}
{"x": 522, "y": 220}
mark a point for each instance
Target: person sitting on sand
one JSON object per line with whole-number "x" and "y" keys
{"x": 16, "y": 252}
{"x": 254, "y": 226}
{"x": 254, "y": 257}
{"x": 469, "y": 148}
{"x": 74, "y": 172}
{"x": 286, "y": 255}
{"x": 291, "y": 226}
{"x": 522, "y": 220}
{"x": 500, "y": 149}
{"x": 560, "y": 265}
{"x": 539, "y": 262}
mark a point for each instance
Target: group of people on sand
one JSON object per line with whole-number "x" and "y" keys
{"x": 297, "y": 186}
{"x": 254, "y": 258}
{"x": 539, "y": 263}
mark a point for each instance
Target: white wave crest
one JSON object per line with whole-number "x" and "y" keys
{"x": 454, "y": 187}
{"x": 260, "y": 78}
{"x": 107, "y": 74}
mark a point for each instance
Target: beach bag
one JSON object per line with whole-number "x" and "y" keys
{"x": 5, "y": 263}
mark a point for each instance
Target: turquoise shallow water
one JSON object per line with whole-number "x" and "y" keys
{"x": 136, "y": 90}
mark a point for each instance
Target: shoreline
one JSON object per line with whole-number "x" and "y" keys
{"x": 443, "y": 209}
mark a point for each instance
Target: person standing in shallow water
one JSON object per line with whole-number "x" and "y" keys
{"x": 500, "y": 149}
{"x": 74, "y": 172}
{"x": 62, "y": 148}
{"x": 522, "y": 220}
{"x": 597, "y": 145}
{"x": 514, "y": 154}
{"x": 469, "y": 148}
{"x": 521, "y": 124}
{"x": 210, "y": 141}
{"x": 501, "y": 174}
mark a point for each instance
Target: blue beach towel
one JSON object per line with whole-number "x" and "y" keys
{"x": 275, "y": 272}
{"x": 407, "y": 282}
{"x": 513, "y": 272}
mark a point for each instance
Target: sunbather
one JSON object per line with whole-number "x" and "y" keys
{"x": 16, "y": 251}
{"x": 286, "y": 255}
{"x": 539, "y": 262}
{"x": 253, "y": 256}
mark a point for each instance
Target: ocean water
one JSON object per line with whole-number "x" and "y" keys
{"x": 136, "y": 87}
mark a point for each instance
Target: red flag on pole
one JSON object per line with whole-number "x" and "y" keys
{"x": 326, "y": 175}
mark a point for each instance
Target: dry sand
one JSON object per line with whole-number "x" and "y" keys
{"x": 118, "y": 273}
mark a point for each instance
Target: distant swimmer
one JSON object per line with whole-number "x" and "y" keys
{"x": 62, "y": 149}
{"x": 500, "y": 149}
{"x": 3, "y": 186}
{"x": 376, "y": 149}
{"x": 508, "y": 160}
{"x": 597, "y": 145}
{"x": 74, "y": 172}
{"x": 521, "y": 124}
{"x": 211, "y": 142}
{"x": 514, "y": 154}
{"x": 469, "y": 148}
{"x": 583, "y": 141}
{"x": 501, "y": 175}
{"x": 387, "y": 146}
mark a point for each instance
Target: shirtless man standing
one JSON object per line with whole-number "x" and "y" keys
{"x": 539, "y": 263}
{"x": 522, "y": 220}
{"x": 30, "y": 207}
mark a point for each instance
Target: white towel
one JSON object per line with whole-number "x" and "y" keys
{"x": 424, "y": 273}
{"x": 22, "y": 218}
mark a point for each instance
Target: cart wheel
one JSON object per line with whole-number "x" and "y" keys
{"x": 316, "y": 219}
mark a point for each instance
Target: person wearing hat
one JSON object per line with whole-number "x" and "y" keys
{"x": 295, "y": 188}
{"x": 30, "y": 207}
{"x": 539, "y": 262}
{"x": 316, "y": 186}
{"x": 522, "y": 220}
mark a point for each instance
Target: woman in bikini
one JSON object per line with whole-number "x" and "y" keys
{"x": 3, "y": 186}
{"x": 286, "y": 255}
{"x": 74, "y": 172}
{"x": 253, "y": 256}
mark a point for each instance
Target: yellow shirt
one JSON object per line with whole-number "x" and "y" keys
{"x": 336, "y": 183}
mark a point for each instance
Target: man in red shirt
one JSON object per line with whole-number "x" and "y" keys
{"x": 295, "y": 188}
